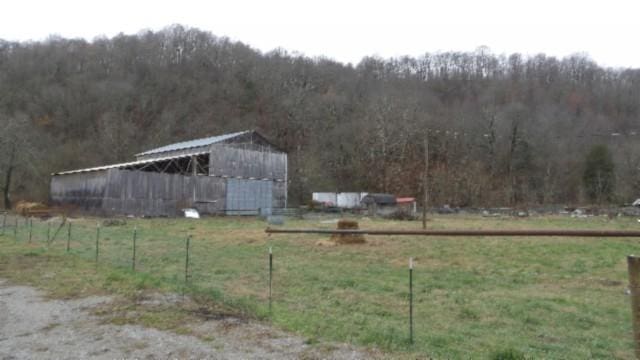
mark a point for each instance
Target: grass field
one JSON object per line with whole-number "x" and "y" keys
{"x": 560, "y": 298}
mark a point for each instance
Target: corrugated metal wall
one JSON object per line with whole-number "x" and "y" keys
{"x": 243, "y": 196}
{"x": 85, "y": 190}
{"x": 348, "y": 200}
{"x": 249, "y": 164}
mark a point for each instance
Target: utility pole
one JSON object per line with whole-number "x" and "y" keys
{"x": 425, "y": 187}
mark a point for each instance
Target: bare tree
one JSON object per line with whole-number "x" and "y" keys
{"x": 17, "y": 149}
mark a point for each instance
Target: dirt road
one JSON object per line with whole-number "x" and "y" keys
{"x": 34, "y": 327}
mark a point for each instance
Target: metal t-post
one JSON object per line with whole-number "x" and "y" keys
{"x": 411, "y": 300}
{"x": 186, "y": 261}
{"x": 133, "y": 260}
{"x": 270, "y": 275}
{"x": 68, "y": 237}
{"x": 97, "y": 242}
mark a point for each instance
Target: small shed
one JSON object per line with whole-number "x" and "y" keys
{"x": 238, "y": 173}
{"x": 379, "y": 203}
{"x": 379, "y": 200}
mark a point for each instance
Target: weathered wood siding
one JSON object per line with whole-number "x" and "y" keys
{"x": 155, "y": 194}
{"x": 247, "y": 163}
{"x": 84, "y": 190}
{"x": 127, "y": 192}
{"x": 251, "y": 140}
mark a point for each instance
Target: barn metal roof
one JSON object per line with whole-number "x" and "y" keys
{"x": 194, "y": 143}
{"x": 127, "y": 164}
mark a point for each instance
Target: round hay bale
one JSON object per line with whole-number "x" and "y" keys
{"x": 348, "y": 238}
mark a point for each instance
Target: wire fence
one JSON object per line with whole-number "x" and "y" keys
{"x": 258, "y": 277}
{"x": 180, "y": 256}
{"x": 268, "y": 276}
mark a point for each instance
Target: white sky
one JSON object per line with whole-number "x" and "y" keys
{"x": 609, "y": 31}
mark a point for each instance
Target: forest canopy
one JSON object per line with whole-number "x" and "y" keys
{"x": 502, "y": 129}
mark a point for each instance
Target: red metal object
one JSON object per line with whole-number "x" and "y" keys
{"x": 405, "y": 200}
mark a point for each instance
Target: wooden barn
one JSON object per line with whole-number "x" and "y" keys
{"x": 234, "y": 174}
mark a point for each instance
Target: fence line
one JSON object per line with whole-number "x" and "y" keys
{"x": 115, "y": 240}
{"x": 634, "y": 262}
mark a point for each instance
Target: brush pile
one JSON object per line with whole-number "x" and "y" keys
{"x": 29, "y": 209}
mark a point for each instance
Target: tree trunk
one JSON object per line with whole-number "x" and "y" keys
{"x": 7, "y": 181}
{"x": 425, "y": 184}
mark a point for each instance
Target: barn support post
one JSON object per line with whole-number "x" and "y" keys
{"x": 194, "y": 172}
{"x": 633, "y": 264}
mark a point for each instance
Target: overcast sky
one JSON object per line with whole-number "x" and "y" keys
{"x": 609, "y": 31}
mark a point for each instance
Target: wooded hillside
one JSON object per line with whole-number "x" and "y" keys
{"x": 503, "y": 129}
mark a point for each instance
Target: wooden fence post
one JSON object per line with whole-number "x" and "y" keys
{"x": 633, "y": 263}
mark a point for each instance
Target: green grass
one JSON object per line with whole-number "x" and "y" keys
{"x": 485, "y": 298}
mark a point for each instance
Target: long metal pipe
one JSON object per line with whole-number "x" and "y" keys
{"x": 471, "y": 232}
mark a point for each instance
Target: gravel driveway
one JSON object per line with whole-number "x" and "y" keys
{"x": 34, "y": 327}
